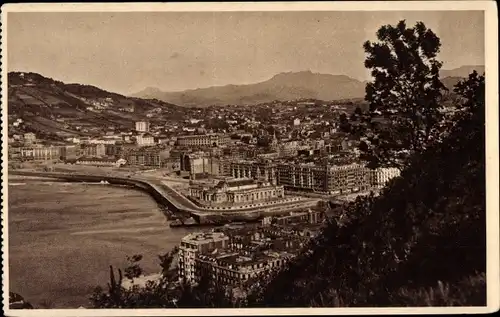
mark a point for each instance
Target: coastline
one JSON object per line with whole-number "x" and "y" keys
{"x": 200, "y": 216}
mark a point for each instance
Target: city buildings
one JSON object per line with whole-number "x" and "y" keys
{"x": 40, "y": 153}
{"x": 29, "y": 138}
{"x": 145, "y": 140}
{"x": 142, "y": 126}
{"x": 200, "y": 163}
{"x": 236, "y": 191}
{"x": 94, "y": 150}
{"x": 96, "y": 161}
{"x": 203, "y": 140}
{"x": 234, "y": 255}
{"x": 69, "y": 152}
{"x": 381, "y": 176}
{"x": 148, "y": 157}
{"x": 194, "y": 244}
{"x": 308, "y": 177}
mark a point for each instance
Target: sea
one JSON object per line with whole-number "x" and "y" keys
{"x": 63, "y": 237}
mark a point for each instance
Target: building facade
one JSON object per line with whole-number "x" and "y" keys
{"x": 93, "y": 150}
{"x": 203, "y": 140}
{"x": 236, "y": 191}
{"x": 333, "y": 180}
{"x": 200, "y": 163}
{"x": 193, "y": 245}
{"x": 41, "y": 153}
{"x": 29, "y": 138}
{"x": 381, "y": 176}
{"x": 142, "y": 126}
{"x": 154, "y": 158}
{"x": 145, "y": 140}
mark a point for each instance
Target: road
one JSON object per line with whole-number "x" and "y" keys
{"x": 178, "y": 201}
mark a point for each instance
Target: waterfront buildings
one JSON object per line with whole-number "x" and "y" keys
{"x": 203, "y": 140}
{"x": 96, "y": 161}
{"x": 236, "y": 191}
{"x": 200, "y": 163}
{"x": 142, "y": 126}
{"x": 93, "y": 150}
{"x": 69, "y": 152}
{"x": 40, "y": 153}
{"x": 308, "y": 177}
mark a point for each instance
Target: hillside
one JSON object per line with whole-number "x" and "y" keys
{"x": 462, "y": 71}
{"x": 390, "y": 250}
{"x": 285, "y": 86}
{"x": 64, "y": 110}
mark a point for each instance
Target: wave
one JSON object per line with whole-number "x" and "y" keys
{"x": 17, "y": 184}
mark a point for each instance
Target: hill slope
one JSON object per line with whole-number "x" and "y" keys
{"x": 462, "y": 72}
{"x": 410, "y": 237}
{"x": 53, "y": 107}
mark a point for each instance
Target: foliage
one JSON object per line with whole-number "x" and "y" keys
{"x": 406, "y": 91}
{"x": 158, "y": 293}
{"x": 383, "y": 250}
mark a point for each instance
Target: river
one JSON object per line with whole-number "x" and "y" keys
{"x": 64, "y": 236}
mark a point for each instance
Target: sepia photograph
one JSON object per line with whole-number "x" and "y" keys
{"x": 264, "y": 158}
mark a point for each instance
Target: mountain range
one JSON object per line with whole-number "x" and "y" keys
{"x": 284, "y": 86}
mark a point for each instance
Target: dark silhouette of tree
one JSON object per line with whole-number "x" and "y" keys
{"x": 394, "y": 249}
{"x": 406, "y": 91}
{"x": 344, "y": 123}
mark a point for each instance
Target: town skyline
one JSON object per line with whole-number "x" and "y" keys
{"x": 95, "y": 54}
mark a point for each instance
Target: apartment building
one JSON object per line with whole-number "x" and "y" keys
{"x": 93, "y": 150}
{"x": 40, "y": 153}
{"x": 145, "y": 140}
{"x": 381, "y": 176}
{"x": 153, "y": 158}
{"x": 348, "y": 178}
{"x": 307, "y": 177}
{"x": 203, "y": 140}
{"x": 196, "y": 244}
{"x": 200, "y": 163}
{"x": 235, "y": 268}
{"x": 142, "y": 126}
{"x": 69, "y": 152}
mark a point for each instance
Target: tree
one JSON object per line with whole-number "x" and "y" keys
{"x": 358, "y": 111}
{"x": 406, "y": 91}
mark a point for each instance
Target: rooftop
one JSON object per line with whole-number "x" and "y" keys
{"x": 204, "y": 237}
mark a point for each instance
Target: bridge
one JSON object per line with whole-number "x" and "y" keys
{"x": 173, "y": 200}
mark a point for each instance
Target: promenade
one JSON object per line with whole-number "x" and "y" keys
{"x": 169, "y": 197}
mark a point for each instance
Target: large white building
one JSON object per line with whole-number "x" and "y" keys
{"x": 142, "y": 126}
{"x": 236, "y": 191}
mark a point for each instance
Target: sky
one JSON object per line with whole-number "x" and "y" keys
{"x": 125, "y": 52}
